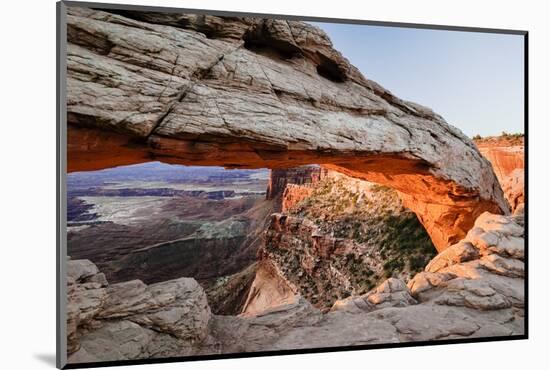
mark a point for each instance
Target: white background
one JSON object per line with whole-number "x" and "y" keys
{"x": 27, "y": 197}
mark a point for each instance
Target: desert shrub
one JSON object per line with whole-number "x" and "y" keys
{"x": 377, "y": 219}
{"x": 417, "y": 263}
{"x": 394, "y": 264}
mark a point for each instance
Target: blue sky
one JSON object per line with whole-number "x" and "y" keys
{"x": 474, "y": 80}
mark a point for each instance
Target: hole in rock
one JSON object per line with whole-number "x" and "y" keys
{"x": 244, "y": 234}
{"x": 259, "y": 40}
{"x": 330, "y": 70}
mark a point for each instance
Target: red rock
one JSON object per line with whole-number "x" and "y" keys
{"x": 280, "y": 177}
{"x": 266, "y": 97}
{"x": 506, "y": 154}
{"x": 294, "y": 194}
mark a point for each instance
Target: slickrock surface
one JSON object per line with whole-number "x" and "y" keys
{"x": 473, "y": 289}
{"x": 391, "y": 293}
{"x": 269, "y": 289}
{"x": 86, "y": 295}
{"x": 130, "y": 319}
{"x": 248, "y": 92}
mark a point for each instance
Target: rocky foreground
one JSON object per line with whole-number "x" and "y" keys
{"x": 474, "y": 288}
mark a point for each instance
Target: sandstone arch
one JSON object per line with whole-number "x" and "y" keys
{"x": 248, "y": 92}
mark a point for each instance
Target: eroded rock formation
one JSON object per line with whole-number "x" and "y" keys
{"x": 504, "y": 159}
{"x": 294, "y": 194}
{"x": 279, "y": 178}
{"x": 514, "y": 188}
{"x": 507, "y": 156}
{"x": 249, "y": 92}
{"x": 131, "y": 319}
{"x": 343, "y": 237}
{"x": 268, "y": 290}
{"x": 474, "y": 288}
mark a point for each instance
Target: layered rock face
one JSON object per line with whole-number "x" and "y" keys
{"x": 514, "y": 189}
{"x": 507, "y": 156}
{"x": 295, "y": 194}
{"x": 227, "y": 295}
{"x": 249, "y": 92}
{"x": 504, "y": 159}
{"x": 473, "y": 289}
{"x": 280, "y": 178}
{"x": 342, "y": 237}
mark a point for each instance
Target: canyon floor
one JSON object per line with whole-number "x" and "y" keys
{"x": 157, "y": 222}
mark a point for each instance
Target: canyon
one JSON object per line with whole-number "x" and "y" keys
{"x": 156, "y": 222}
{"x": 292, "y": 203}
{"x": 336, "y": 237}
{"x": 473, "y": 289}
{"x": 353, "y": 233}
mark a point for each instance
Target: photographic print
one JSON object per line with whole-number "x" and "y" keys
{"x": 238, "y": 185}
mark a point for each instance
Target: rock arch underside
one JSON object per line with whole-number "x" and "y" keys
{"x": 253, "y": 93}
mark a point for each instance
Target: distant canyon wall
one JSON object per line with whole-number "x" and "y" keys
{"x": 507, "y": 156}
{"x": 279, "y": 178}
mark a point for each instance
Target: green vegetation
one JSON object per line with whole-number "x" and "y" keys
{"x": 389, "y": 241}
{"x": 515, "y": 135}
{"x": 503, "y": 135}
